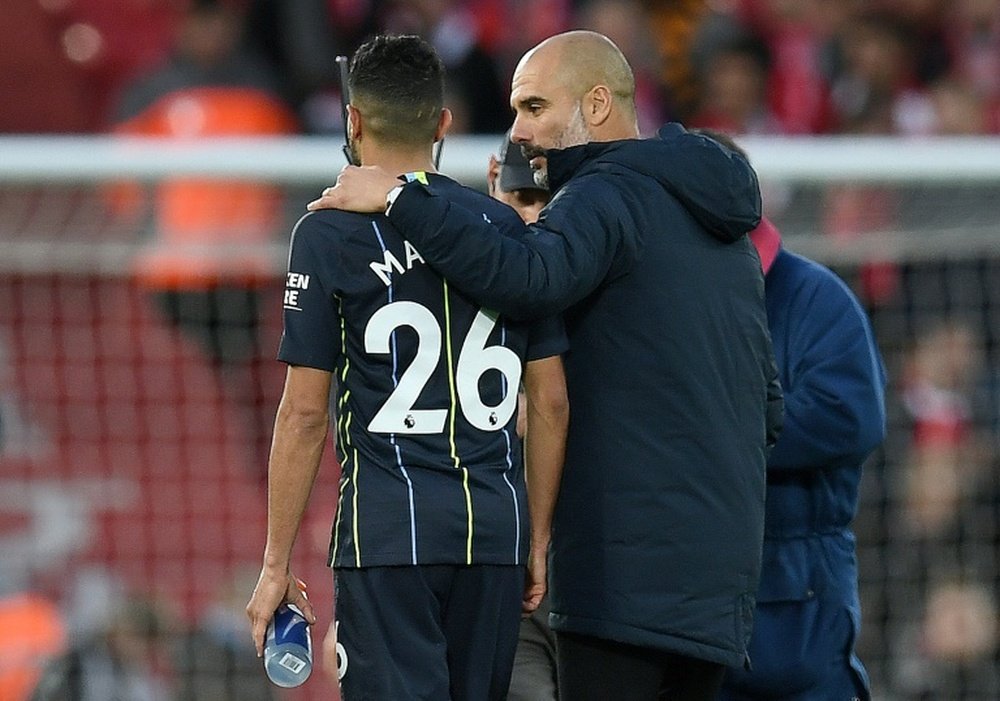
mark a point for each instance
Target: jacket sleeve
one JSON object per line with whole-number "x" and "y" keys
{"x": 834, "y": 389}
{"x": 547, "y": 268}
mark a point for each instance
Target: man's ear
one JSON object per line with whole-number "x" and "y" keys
{"x": 492, "y": 173}
{"x": 355, "y": 124}
{"x": 597, "y": 104}
{"x": 444, "y": 122}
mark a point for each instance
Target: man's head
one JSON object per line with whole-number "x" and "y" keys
{"x": 511, "y": 180}
{"x": 571, "y": 89}
{"x": 397, "y": 91}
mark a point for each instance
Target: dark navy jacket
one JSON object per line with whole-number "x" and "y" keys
{"x": 657, "y": 532}
{"x": 833, "y": 381}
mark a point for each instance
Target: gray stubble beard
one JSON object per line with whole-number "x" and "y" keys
{"x": 575, "y": 134}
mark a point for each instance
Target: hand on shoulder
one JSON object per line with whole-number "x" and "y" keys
{"x": 358, "y": 189}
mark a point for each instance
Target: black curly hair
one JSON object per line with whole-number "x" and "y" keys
{"x": 397, "y": 83}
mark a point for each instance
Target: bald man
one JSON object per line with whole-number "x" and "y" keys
{"x": 674, "y": 401}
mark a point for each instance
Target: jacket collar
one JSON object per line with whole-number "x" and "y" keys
{"x": 767, "y": 240}
{"x": 564, "y": 163}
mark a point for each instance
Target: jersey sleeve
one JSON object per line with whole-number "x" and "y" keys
{"x": 547, "y": 338}
{"x": 312, "y": 323}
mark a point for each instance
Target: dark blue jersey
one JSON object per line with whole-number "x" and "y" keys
{"x": 426, "y": 391}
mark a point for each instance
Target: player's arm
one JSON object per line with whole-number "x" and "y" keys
{"x": 522, "y": 272}
{"x": 544, "y": 452}
{"x": 300, "y": 430}
{"x": 562, "y": 258}
{"x": 834, "y": 395}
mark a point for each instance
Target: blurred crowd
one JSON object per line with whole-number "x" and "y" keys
{"x": 911, "y": 67}
{"x": 929, "y": 525}
{"x": 929, "y": 522}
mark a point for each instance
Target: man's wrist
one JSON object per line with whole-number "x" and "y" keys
{"x": 276, "y": 565}
{"x": 540, "y": 542}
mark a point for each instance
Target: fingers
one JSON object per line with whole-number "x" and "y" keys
{"x": 307, "y": 609}
{"x": 297, "y": 595}
{"x": 328, "y": 198}
{"x": 326, "y": 201}
{"x": 532, "y": 599}
{"x": 272, "y": 588}
{"x": 258, "y": 629}
{"x": 260, "y": 615}
{"x": 535, "y": 581}
{"x": 358, "y": 189}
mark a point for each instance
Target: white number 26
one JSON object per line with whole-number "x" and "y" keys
{"x": 475, "y": 358}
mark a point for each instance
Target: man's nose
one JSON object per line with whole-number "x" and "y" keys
{"x": 519, "y": 132}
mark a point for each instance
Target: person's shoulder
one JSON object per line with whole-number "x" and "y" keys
{"x": 446, "y": 186}
{"x": 810, "y": 270}
{"x": 476, "y": 201}
{"x": 335, "y": 223}
{"x": 819, "y": 283}
{"x": 591, "y": 193}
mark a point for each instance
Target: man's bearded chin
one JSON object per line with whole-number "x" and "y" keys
{"x": 541, "y": 177}
{"x": 576, "y": 133}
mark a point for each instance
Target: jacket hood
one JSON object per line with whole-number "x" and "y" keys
{"x": 717, "y": 186}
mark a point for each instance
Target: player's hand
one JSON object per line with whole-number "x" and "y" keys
{"x": 358, "y": 189}
{"x": 535, "y": 583}
{"x": 273, "y": 588}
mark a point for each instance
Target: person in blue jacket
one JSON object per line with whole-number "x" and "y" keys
{"x": 656, "y": 538}
{"x": 832, "y": 376}
{"x": 833, "y": 380}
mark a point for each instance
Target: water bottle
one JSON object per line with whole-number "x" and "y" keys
{"x": 288, "y": 647}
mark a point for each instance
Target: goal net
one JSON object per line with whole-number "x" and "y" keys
{"x": 140, "y": 287}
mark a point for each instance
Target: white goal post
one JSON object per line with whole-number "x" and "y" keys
{"x": 794, "y": 171}
{"x": 307, "y": 160}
